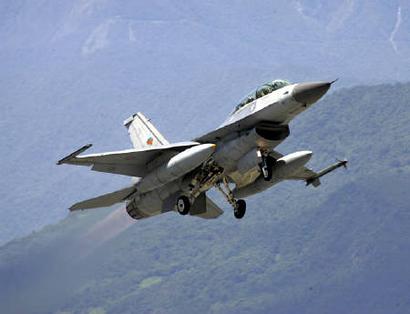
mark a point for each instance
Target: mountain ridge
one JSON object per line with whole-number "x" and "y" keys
{"x": 299, "y": 249}
{"x": 73, "y": 71}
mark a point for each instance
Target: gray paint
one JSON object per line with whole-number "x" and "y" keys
{"x": 232, "y": 153}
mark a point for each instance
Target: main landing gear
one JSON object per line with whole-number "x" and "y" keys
{"x": 183, "y": 204}
{"x": 239, "y": 206}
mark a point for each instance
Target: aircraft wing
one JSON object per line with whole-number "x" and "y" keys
{"x": 303, "y": 174}
{"x": 131, "y": 162}
{"x": 312, "y": 177}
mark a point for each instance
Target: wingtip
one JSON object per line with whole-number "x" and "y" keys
{"x": 343, "y": 162}
{"x": 74, "y": 208}
{"x": 74, "y": 154}
{"x": 334, "y": 81}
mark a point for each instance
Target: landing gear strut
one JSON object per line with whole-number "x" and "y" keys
{"x": 239, "y": 206}
{"x": 266, "y": 163}
{"x": 183, "y": 205}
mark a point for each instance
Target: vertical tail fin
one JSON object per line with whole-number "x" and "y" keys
{"x": 142, "y": 132}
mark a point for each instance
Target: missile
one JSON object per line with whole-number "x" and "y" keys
{"x": 176, "y": 167}
{"x": 315, "y": 179}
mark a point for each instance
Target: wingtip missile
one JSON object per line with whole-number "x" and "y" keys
{"x": 74, "y": 154}
{"x": 334, "y": 81}
{"x": 343, "y": 162}
{"x": 315, "y": 180}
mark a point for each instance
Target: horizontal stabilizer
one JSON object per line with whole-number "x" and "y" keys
{"x": 105, "y": 200}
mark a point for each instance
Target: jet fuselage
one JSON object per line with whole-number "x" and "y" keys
{"x": 260, "y": 125}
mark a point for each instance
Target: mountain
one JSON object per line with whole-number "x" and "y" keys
{"x": 340, "y": 248}
{"x": 72, "y": 71}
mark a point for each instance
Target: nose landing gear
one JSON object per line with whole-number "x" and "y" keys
{"x": 239, "y": 206}
{"x": 266, "y": 164}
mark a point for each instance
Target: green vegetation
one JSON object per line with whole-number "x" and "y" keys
{"x": 151, "y": 281}
{"x": 340, "y": 248}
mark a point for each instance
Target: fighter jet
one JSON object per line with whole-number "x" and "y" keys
{"x": 238, "y": 158}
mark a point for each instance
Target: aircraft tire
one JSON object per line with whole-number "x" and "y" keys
{"x": 183, "y": 205}
{"x": 240, "y": 209}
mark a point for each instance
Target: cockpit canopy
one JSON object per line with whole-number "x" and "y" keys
{"x": 263, "y": 90}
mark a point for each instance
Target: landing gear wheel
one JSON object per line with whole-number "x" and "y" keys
{"x": 239, "y": 206}
{"x": 183, "y": 205}
{"x": 240, "y": 209}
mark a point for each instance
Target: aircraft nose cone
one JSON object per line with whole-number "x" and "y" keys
{"x": 309, "y": 93}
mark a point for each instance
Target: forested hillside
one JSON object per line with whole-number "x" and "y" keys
{"x": 341, "y": 248}
{"x": 72, "y": 71}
